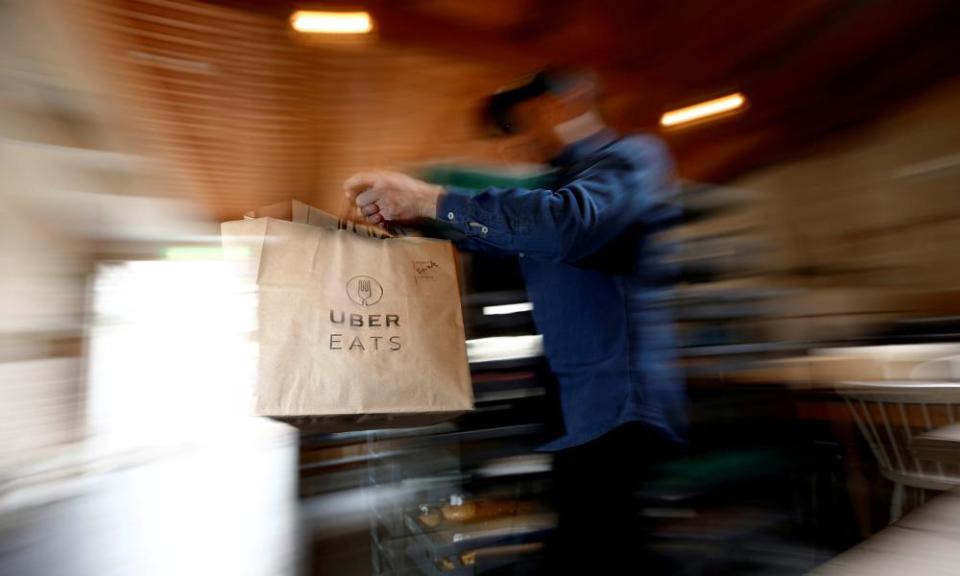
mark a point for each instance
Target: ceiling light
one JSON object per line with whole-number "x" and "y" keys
{"x": 703, "y": 110}
{"x": 315, "y": 22}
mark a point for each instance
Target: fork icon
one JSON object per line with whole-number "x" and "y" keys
{"x": 364, "y": 291}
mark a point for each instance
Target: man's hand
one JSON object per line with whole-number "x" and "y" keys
{"x": 392, "y": 196}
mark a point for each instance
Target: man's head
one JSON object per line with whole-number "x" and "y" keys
{"x": 547, "y": 111}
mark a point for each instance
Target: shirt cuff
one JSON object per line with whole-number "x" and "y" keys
{"x": 457, "y": 208}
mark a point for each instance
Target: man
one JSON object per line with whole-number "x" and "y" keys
{"x": 596, "y": 278}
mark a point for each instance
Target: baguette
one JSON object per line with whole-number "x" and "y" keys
{"x": 484, "y": 510}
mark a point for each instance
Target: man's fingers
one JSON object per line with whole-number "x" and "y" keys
{"x": 370, "y": 209}
{"x": 374, "y": 219}
{"x": 369, "y": 196}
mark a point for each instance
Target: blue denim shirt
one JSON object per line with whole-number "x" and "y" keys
{"x": 596, "y": 278}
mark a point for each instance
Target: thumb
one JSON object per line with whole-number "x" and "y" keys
{"x": 359, "y": 183}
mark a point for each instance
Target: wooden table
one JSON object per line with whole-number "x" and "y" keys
{"x": 939, "y": 445}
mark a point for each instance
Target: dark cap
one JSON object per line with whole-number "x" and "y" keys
{"x": 498, "y": 108}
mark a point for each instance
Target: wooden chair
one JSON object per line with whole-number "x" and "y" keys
{"x": 890, "y": 415}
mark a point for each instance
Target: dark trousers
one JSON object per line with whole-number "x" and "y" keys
{"x": 599, "y": 528}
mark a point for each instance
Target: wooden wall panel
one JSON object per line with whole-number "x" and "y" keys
{"x": 876, "y": 206}
{"x": 246, "y": 113}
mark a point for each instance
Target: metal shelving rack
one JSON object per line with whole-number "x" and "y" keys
{"x": 719, "y": 304}
{"x": 474, "y": 456}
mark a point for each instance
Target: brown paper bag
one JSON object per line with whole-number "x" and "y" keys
{"x": 354, "y": 331}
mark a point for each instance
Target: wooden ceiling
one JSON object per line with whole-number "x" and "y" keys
{"x": 248, "y": 112}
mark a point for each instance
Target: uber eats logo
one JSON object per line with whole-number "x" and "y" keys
{"x": 364, "y": 290}
{"x": 368, "y": 331}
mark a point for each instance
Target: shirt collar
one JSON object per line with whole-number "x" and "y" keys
{"x": 576, "y": 151}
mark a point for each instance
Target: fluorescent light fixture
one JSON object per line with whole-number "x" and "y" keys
{"x": 703, "y": 110}
{"x": 507, "y": 309}
{"x": 316, "y": 22}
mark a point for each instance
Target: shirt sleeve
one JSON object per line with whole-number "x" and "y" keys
{"x": 565, "y": 224}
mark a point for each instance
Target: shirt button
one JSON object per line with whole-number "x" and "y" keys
{"x": 484, "y": 229}
{"x": 450, "y": 216}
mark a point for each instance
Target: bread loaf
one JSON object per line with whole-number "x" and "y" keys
{"x": 430, "y": 518}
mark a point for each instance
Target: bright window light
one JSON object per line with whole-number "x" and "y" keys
{"x": 170, "y": 342}
{"x": 314, "y": 22}
{"x": 703, "y": 110}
